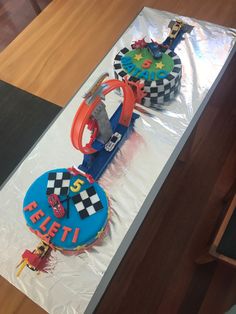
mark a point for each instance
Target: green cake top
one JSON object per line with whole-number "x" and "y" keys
{"x": 140, "y": 63}
{"x": 139, "y": 56}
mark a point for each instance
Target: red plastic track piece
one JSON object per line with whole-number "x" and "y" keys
{"x": 85, "y": 110}
{"x": 93, "y": 127}
{"x": 75, "y": 171}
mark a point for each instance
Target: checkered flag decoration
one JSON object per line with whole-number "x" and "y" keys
{"x": 87, "y": 202}
{"x": 58, "y": 183}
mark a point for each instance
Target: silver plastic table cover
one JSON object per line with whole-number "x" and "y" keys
{"x": 133, "y": 178}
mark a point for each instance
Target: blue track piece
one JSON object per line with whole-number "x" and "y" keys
{"x": 173, "y": 43}
{"x": 95, "y": 164}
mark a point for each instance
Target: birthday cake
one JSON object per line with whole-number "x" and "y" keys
{"x": 65, "y": 210}
{"x": 161, "y": 77}
{"x": 155, "y": 65}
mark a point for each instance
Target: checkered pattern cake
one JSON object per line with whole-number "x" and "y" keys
{"x": 160, "y": 91}
{"x": 87, "y": 202}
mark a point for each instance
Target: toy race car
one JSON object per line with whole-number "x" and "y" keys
{"x": 154, "y": 49}
{"x": 175, "y": 28}
{"x": 34, "y": 260}
{"x": 110, "y": 145}
{"x": 56, "y": 205}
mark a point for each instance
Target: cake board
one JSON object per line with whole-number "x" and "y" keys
{"x": 132, "y": 180}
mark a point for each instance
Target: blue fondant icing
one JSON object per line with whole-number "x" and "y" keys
{"x": 162, "y": 74}
{"x": 136, "y": 71}
{"x": 126, "y": 60}
{"x": 144, "y": 75}
{"x": 89, "y": 226}
{"x": 129, "y": 67}
{"x": 152, "y": 76}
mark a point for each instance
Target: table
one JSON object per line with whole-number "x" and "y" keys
{"x": 222, "y": 247}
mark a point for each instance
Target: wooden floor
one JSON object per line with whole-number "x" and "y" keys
{"x": 158, "y": 274}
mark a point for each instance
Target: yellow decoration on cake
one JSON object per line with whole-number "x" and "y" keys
{"x": 138, "y": 56}
{"x": 159, "y": 65}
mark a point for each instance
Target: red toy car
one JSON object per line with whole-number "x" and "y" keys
{"x": 35, "y": 260}
{"x": 56, "y": 204}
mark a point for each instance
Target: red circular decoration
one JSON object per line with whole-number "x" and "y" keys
{"x": 85, "y": 110}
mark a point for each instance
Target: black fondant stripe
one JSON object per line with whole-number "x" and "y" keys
{"x": 176, "y": 70}
{"x": 177, "y": 61}
{"x": 147, "y": 83}
{"x": 122, "y": 73}
{"x": 154, "y": 89}
{"x": 117, "y": 66}
{"x": 118, "y": 57}
{"x": 173, "y": 89}
{"x": 176, "y": 90}
{"x": 160, "y": 82}
{"x": 171, "y": 54}
{"x": 167, "y": 97}
{"x": 124, "y": 50}
{"x": 167, "y": 86}
{"x": 153, "y": 100}
{"x": 170, "y": 77}
{"x": 161, "y": 94}
{"x": 133, "y": 79}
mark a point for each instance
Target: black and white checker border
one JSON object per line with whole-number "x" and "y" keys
{"x": 158, "y": 91}
{"x": 87, "y": 202}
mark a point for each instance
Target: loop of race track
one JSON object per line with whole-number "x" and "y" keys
{"x": 85, "y": 111}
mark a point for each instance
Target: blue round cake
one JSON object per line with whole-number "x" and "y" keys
{"x": 67, "y": 209}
